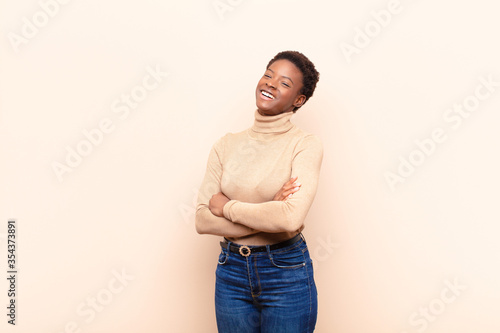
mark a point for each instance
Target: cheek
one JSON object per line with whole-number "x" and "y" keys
{"x": 288, "y": 96}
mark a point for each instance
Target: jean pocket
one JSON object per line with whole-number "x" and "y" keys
{"x": 223, "y": 257}
{"x": 289, "y": 259}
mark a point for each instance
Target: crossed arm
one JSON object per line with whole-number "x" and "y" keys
{"x": 217, "y": 214}
{"x": 212, "y": 221}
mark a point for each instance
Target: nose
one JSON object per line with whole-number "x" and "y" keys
{"x": 270, "y": 84}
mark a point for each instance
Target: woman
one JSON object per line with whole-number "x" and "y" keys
{"x": 258, "y": 187}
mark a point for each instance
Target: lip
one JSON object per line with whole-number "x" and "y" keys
{"x": 265, "y": 97}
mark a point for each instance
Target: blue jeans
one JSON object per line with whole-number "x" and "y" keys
{"x": 266, "y": 292}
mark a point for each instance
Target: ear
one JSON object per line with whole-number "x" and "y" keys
{"x": 299, "y": 101}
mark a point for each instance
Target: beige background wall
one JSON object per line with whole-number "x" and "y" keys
{"x": 107, "y": 243}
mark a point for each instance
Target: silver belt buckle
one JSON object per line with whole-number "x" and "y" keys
{"x": 244, "y": 251}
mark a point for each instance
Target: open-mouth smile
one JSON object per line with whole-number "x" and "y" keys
{"x": 267, "y": 95}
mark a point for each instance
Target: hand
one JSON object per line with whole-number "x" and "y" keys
{"x": 287, "y": 190}
{"x": 216, "y": 204}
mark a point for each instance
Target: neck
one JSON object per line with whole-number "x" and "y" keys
{"x": 279, "y": 123}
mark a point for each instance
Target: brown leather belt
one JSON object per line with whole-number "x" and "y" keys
{"x": 246, "y": 250}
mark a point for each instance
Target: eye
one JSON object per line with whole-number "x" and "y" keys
{"x": 286, "y": 85}
{"x": 267, "y": 75}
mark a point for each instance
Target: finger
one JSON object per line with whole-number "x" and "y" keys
{"x": 291, "y": 190}
{"x": 291, "y": 186}
{"x": 285, "y": 198}
{"x": 291, "y": 180}
{"x": 286, "y": 194}
{"x": 288, "y": 188}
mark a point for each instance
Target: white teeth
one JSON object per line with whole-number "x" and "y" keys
{"x": 268, "y": 95}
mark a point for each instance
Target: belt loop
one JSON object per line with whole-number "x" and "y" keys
{"x": 269, "y": 251}
{"x": 228, "y": 247}
{"x": 303, "y": 238}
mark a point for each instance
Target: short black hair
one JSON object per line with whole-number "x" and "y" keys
{"x": 310, "y": 75}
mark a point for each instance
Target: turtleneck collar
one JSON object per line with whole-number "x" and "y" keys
{"x": 272, "y": 124}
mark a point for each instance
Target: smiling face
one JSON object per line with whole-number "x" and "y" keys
{"x": 278, "y": 90}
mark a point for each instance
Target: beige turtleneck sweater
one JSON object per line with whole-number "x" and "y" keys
{"x": 250, "y": 167}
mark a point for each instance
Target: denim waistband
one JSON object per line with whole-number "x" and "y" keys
{"x": 246, "y": 250}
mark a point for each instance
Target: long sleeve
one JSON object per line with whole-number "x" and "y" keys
{"x": 205, "y": 221}
{"x": 288, "y": 215}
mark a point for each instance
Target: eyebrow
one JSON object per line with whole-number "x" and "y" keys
{"x": 286, "y": 77}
